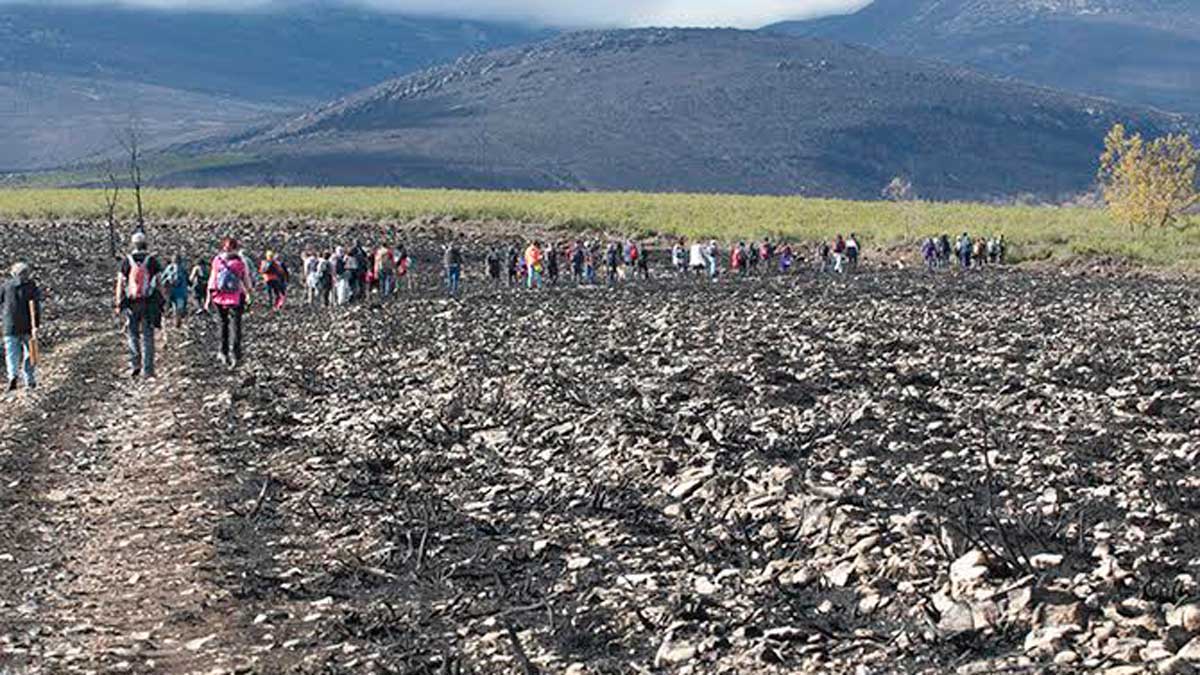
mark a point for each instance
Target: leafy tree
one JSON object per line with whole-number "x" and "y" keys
{"x": 1148, "y": 184}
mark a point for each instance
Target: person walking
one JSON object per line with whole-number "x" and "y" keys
{"x": 697, "y": 258}
{"x": 356, "y": 271}
{"x": 138, "y": 297}
{"x": 824, "y": 257}
{"x": 384, "y": 270}
{"x": 852, "y": 251}
{"x": 589, "y": 264}
{"x": 979, "y": 254}
{"x": 965, "y": 248}
{"x": 229, "y": 288}
{"x": 452, "y": 261}
{"x": 342, "y": 275}
{"x": 712, "y": 256}
{"x": 737, "y": 259}
{"x": 929, "y": 254}
{"x": 679, "y": 258}
{"x": 175, "y": 285}
{"x": 944, "y": 250}
{"x": 403, "y": 268}
{"x": 578, "y": 253}
{"x": 552, "y": 263}
{"x": 612, "y": 259}
{"x": 275, "y": 276}
{"x": 839, "y": 254}
{"x": 325, "y": 279}
{"x": 21, "y": 309}
{"x": 492, "y": 262}
{"x": 310, "y": 264}
{"x": 533, "y": 265}
{"x": 786, "y": 258}
{"x": 198, "y": 280}
{"x": 766, "y": 254}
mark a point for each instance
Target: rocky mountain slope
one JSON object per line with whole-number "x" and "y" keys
{"x": 1144, "y": 51}
{"x": 697, "y": 110}
{"x": 70, "y": 74}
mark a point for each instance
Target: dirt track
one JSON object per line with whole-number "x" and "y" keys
{"x": 770, "y": 474}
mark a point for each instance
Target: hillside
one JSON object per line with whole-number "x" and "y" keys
{"x": 695, "y": 110}
{"x": 70, "y": 74}
{"x": 1144, "y": 51}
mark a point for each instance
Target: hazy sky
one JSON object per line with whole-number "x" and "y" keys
{"x": 567, "y": 13}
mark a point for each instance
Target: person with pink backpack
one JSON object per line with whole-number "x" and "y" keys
{"x": 138, "y": 297}
{"x": 229, "y": 286}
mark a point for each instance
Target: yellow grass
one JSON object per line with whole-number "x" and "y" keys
{"x": 1032, "y": 232}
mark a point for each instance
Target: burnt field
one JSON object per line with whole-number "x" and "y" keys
{"x": 891, "y": 471}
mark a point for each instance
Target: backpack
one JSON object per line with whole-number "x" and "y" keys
{"x": 323, "y": 269}
{"x": 139, "y": 283}
{"x": 171, "y": 276}
{"x": 227, "y": 281}
{"x": 339, "y": 265}
{"x": 388, "y": 262}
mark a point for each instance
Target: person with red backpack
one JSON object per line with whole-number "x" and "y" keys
{"x": 139, "y": 298}
{"x": 229, "y": 286}
{"x": 275, "y": 276}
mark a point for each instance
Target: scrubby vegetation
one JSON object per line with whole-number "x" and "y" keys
{"x": 1032, "y": 232}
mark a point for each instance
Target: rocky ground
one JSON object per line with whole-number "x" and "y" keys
{"x": 888, "y": 472}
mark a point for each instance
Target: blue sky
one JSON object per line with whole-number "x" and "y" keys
{"x": 567, "y": 13}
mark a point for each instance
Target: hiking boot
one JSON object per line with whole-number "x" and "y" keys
{"x": 233, "y": 362}
{"x": 134, "y": 373}
{"x": 12, "y": 384}
{"x": 222, "y": 359}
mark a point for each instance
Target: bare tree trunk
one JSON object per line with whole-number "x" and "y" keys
{"x": 131, "y": 140}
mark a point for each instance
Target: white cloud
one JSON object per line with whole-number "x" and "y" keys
{"x": 566, "y": 13}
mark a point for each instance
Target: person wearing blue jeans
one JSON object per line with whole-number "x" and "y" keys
{"x": 17, "y": 361}
{"x": 20, "y": 311}
{"x": 139, "y": 336}
{"x": 138, "y": 297}
{"x": 452, "y": 262}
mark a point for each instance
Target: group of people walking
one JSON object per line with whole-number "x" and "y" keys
{"x": 342, "y": 276}
{"x": 539, "y": 264}
{"x": 146, "y": 290}
{"x": 970, "y": 253}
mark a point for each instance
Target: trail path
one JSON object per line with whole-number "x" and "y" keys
{"x": 107, "y": 520}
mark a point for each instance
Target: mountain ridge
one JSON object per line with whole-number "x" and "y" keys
{"x": 1136, "y": 51}
{"x": 684, "y": 110}
{"x": 70, "y": 74}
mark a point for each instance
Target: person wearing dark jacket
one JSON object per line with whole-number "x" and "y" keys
{"x": 138, "y": 297}
{"x": 21, "y": 309}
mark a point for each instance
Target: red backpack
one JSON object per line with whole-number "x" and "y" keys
{"x": 138, "y": 283}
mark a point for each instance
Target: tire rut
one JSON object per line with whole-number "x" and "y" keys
{"x": 110, "y": 530}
